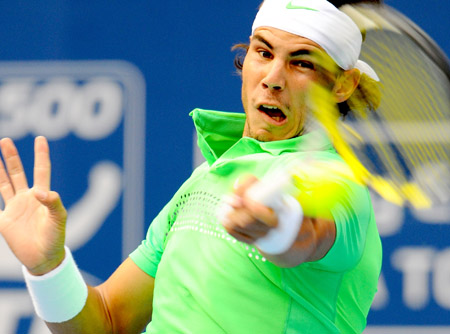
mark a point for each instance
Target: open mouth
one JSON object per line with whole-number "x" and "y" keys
{"x": 273, "y": 112}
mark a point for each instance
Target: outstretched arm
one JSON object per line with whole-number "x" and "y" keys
{"x": 33, "y": 224}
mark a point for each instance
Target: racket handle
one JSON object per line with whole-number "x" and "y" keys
{"x": 271, "y": 192}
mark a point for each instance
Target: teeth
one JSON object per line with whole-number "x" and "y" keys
{"x": 269, "y": 107}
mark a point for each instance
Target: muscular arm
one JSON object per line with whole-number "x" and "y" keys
{"x": 313, "y": 242}
{"x": 123, "y": 304}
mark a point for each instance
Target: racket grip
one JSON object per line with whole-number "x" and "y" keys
{"x": 271, "y": 192}
{"x": 268, "y": 191}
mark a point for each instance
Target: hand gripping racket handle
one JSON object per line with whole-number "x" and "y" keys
{"x": 271, "y": 192}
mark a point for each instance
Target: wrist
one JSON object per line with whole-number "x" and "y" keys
{"x": 281, "y": 238}
{"x": 60, "y": 294}
{"x": 49, "y": 265}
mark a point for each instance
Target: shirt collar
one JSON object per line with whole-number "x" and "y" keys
{"x": 220, "y": 134}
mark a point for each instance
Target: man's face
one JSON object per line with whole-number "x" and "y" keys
{"x": 276, "y": 73}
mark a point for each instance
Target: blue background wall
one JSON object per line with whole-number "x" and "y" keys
{"x": 163, "y": 59}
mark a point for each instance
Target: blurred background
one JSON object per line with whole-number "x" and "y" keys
{"x": 111, "y": 84}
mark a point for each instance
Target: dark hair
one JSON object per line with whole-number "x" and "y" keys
{"x": 242, "y": 49}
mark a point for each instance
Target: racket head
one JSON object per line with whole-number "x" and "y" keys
{"x": 401, "y": 149}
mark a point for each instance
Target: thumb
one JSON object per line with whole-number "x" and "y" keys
{"x": 52, "y": 201}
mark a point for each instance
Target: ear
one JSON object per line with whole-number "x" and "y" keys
{"x": 346, "y": 84}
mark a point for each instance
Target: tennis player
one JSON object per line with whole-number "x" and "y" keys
{"x": 226, "y": 255}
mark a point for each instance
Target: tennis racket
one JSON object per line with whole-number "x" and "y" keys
{"x": 402, "y": 149}
{"x": 396, "y": 139}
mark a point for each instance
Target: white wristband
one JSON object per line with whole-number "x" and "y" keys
{"x": 279, "y": 239}
{"x": 272, "y": 191}
{"x": 59, "y": 295}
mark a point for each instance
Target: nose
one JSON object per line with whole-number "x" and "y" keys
{"x": 275, "y": 77}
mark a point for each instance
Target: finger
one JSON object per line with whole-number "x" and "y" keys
{"x": 52, "y": 201}
{"x": 243, "y": 222}
{"x": 6, "y": 189}
{"x": 258, "y": 210}
{"x": 13, "y": 165}
{"x": 42, "y": 165}
{"x": 242, "y": 185}
{"x": 253, "y": 233}
{"x": 242, "y": 237}
{"x": 261, "y": 212}
{"x": 239, "y": 217}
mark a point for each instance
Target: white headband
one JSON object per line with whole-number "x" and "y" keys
{"x": 322, "y": 23}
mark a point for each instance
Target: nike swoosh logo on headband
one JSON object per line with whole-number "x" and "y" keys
{"x": 292, "y": 6}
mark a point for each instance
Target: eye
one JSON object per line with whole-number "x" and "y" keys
{"x": 265, "y": 54}
{"x": 303, "y": 64}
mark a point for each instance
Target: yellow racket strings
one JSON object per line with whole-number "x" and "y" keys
{"x": 415, "y": 108}
{"x": 409, "y": 131}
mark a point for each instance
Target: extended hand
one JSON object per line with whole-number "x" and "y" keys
{"x": 33, "y": 220}
{"x": 248, "y": 220}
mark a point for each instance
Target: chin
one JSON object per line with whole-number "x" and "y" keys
{"x": 266, "y": 136}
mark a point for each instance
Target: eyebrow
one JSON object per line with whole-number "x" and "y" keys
{"x": 292, "y": 54}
